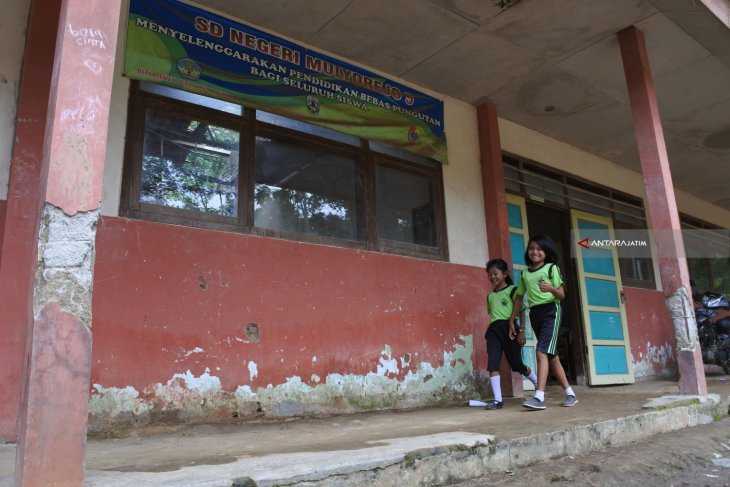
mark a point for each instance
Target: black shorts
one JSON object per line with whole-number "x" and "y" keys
{"x": 498, "y": 341}
{"x": 545, "y": 320}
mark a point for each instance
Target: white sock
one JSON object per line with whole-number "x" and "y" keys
{"x": 569, "y": 392}
{"x": 496, "y": 388}
{"x": 532, "y": 377}
{"x": 540, "y": 395}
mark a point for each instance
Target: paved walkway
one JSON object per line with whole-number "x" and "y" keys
{"x": 418, "y": 447}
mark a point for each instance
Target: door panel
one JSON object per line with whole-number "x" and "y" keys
{"x": 518, "y": 236}
{"x": 599, "y": 282}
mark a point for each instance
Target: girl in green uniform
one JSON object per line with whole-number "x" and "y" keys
{"x": 543, "y": 285}
{"x": 499, "y": 307}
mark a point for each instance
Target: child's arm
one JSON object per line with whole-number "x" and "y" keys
{"x": 521, "y": 338}
{"x": 516, "y": 306}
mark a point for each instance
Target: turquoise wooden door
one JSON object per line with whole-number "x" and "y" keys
{"x": 518, "y": 236}
{"x": 606, "y": 332}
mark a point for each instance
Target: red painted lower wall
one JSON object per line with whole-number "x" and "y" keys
{"x": 170, "y": 299}
{"x": 11, "y": 345}
{"x": 651, "y": 332}
{"x": 3, "y": 207}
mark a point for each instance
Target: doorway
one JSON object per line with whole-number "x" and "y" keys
{"x": 555, "y": 223}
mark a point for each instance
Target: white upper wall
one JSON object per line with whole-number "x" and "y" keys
{"x": 532, "y": 145}
{"x": 112, "y": 184}
{"x": 465, "y": 220}
{"x": 13, "y": 23}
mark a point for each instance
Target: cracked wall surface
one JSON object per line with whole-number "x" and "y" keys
{"x": 65, "y": 261}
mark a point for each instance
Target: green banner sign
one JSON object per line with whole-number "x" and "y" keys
{"x": 178, "y": 45}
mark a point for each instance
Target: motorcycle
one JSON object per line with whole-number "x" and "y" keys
{"x": 712, "y": 312}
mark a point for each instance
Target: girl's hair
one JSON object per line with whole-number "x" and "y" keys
{"x": 547, "y": 245}
{"x": 502, "y": 266}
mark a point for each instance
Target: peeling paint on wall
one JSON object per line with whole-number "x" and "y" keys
{"x": 189, "y": 398}
{"x": 388, "y": 365}
{"x": 65, "y": 261}
{"x": 652, "y": 334}
{"x": 654, "y": 362}
{"x": 252, "y": 370}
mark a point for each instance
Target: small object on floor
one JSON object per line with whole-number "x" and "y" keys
{"x": 534, "y": 403}
{"x": 493, "y": 405}
{"x": 570, "y": 401}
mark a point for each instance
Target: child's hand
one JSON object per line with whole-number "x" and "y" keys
{"x": 512, "y": 332}
{"x": 521, "y": 339}
{"x": 546, "y": 287}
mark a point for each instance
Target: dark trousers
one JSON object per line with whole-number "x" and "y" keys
{"x": 498, "y": 341}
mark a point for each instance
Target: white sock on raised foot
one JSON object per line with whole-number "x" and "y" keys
{"x": 496, "y": 388}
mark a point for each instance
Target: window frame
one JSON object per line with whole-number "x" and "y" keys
{"x": 248, "y": 127}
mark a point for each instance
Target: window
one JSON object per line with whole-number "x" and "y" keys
{"x": 635, "y": 263}
{"x": 707, "y": 248}
{"x": 189, "y": 164}
{"x": 198, "y": 161}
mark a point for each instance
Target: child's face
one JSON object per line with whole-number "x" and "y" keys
{"x": 496, "y": 276}
{"x": 535, "y": 253}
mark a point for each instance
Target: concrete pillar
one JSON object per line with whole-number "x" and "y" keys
{"x": 25, "y": 202}
{"x": 495, "y": 209}
{"x": 57, "y": 360}
{"x": 660, "y": 200}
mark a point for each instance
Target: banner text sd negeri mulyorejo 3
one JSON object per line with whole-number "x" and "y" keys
{"x": 176, "y": 44}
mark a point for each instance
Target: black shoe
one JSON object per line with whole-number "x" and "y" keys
{"x": 493, "y": 405}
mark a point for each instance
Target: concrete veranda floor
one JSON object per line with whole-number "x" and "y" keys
{"x": 270, "y": 452}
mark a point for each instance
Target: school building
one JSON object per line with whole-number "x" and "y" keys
{"x": 224, "y": 210}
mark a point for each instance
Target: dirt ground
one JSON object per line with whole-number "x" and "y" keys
{"x": 697, "y": 456}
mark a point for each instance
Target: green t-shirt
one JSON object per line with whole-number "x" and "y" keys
{"x": 500, "y": 303}
{"x": 530, "y": 284}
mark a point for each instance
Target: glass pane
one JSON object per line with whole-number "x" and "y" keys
{"x": 307, "y": 128}
{"x": 401, "y": 154}
{"x": 630, "y": 219}
{"x": 720, "y": 268}
{"x": 598, "y": 261}
{"x": 517, "y": 245}
{"x": 591, "y": 203}
{"x": 205, "y": 101}
{"x": 601, "y": 293}
{"x": 514, "y": 216}
{"x": 606, "y": 325}
{"x": 544, "y": 188}
{"x": 610, "y": 359}
{"x": 189, "y": 164}
{"x": 629, "y": 214}
{"x": 305, "y": 189}
{"x": 406, "y": 207}
{"x": 511, "y": 178}
{"x": 699, "y": 271}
